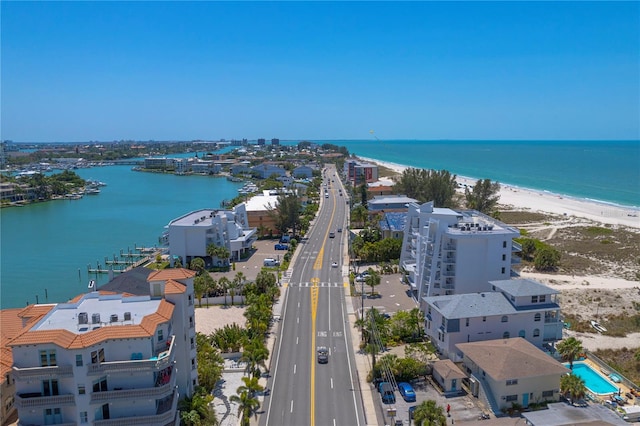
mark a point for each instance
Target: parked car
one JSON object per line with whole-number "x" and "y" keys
{"x": 362, "y": 277}
{"x": 407, "y": 392}
{"x": 386, "y": 392}
{"x": 270, "y": 262}
{"x": 412, "y": 409}
{"x": 280, "y": 246}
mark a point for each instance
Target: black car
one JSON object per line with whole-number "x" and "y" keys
{"x": 323, "y": 355}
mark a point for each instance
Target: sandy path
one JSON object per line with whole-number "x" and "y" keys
{"x": 214, "y": 317}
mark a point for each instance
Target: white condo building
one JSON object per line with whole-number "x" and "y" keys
{"x": 513, "y": 308}
{"x": 189, "y": 235}
{"x": 108, "y": 359}
{"x": 447, "y": 252}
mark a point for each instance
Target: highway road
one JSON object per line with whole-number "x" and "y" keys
{"x": 304, "y": 392}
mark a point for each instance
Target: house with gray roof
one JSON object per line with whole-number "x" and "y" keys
{"x": 266, "y": 170}
{"x": 515, "y": 308}
{"x": 512, "y": 371}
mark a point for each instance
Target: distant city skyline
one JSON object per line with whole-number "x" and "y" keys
{"x": 105, "y": 71}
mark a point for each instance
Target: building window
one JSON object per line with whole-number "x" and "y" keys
{"x": 78, "y": 360}
{"x": 547, "y": 394}
{"x": 511, "y": 398}
{"x": 50, "y": 387}
{"x": 467, "y": 322}
{"x": 81, "y": 390}
{"x": 504, "y": 244}
{"x": 160, "y": 335}
{"x": 536, "y": 332}
{"x": 191, "y": 322}
{"x": 503, "y": 270}
{"x": 97, "y": 356}
{"x": 504, "y": 257}
{"x": 504, "y": 318}
{"x": 193, "y": 346}
{"x": 543, "y": 298}
{"x": 100, "y": 385}
{"x": 537, "y": 317}
{"x": 48, "y": 358}
{"x": 83, "y": 417}
{"x": 193, "y": 363}
{"x": 521, "y": 333}
{"x": 534, "y": 299}
{"x": 512, "y": 382}
{"x": 484, "y": 319}
{"x": 505, "y": 335}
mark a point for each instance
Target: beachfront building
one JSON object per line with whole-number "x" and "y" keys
{"x": 389, "y": 203}
{"x": 189, "y": 235}
{"x": 358, "y": 172}
{"x": 447, "y": 252}
{"x": 109, "y": 359}
{"x": 511, "y": 371}
{"x": 514, "y": 308}
{"x": 159, "y": 163}
{"x": 259, "y": 209}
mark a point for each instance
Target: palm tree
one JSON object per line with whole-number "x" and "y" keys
{"x": 569, "y": 348}
{"x": 224, "y": 283}
{"x": 372, "y": 280}
{"x": 251, "y": 385}
{"x": 233, "y": 286}
{"x": 255, "y": 354}
{"x": 197, "y": 265}
{"x": 199, "y": 287}
{"x": 196, "y": 410}
{"x": 239, "y": 279}
{"x": 247, "y": 406}
{"x": 416, "y": 321}
{"x": 572, "y": 387}
{"x": 428, "y": 413}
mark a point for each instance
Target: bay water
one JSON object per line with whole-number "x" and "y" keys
{"x": 45, "y": 248}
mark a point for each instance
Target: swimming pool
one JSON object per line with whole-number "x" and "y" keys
{"x": 592, "y": 380}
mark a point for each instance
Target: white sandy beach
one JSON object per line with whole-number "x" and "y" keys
{"x": 546, "y": 202}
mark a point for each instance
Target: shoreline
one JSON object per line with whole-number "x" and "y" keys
{"x": 548, "y": 202}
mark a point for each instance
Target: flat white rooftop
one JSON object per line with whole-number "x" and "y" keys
{"x": 195, "y": 218}
{"x": 66, "y": 315}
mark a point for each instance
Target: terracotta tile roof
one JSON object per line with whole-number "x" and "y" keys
{"x": 174, "y": 287}
{"x": 10, "y": 326}
{"x": 511, "y": 358}
{"x": 171, "y": 274}
{"x": 69, "y": 340}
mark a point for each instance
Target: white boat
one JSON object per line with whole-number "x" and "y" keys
{"x": 598, "y": 327}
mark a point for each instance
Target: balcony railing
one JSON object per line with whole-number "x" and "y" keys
{"x": 160, "y": 361}
{"x": 57, "y": 424}
{"x": 35, "y": 400}
{"x": 168, "y": 416}
{"x": 132, "y": 394}
{"x": 42, "y": 373}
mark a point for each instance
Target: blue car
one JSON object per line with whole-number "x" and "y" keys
{"x": 281, "y": 247}
{"x": 407, "y": 392}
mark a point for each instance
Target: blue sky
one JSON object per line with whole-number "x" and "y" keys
{"x": 75, "y": 71}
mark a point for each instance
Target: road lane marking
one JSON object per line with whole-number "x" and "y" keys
{"x": 291, "y": 410}
{"x": 294, "y": 368}
{"x": 332, "y": 383}
{"x": 297, "y": 339}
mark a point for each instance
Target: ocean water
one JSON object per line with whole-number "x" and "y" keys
{"x": 606, "y": 171}
{"x": 45, "y": 248}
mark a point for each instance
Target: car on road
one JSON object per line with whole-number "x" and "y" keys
{"x": 334, "y": 264}
{"x": 323, "y": 355}
{"x": 339, "y": 229}
{"x": 332, "y": 234}
{"x": 407, "y": 392}
{"x": 281, "y": 247}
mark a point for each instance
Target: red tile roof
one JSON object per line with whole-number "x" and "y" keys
{"x": 171, "y": 274}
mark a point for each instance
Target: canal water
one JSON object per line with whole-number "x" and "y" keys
{"x": 45, "y": 247}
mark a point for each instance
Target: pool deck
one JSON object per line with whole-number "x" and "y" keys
{"x": 622, "y": 388}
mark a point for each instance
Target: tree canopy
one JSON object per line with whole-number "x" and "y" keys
{"x": 424, "y": 185}
{"x": 484, "y": 196}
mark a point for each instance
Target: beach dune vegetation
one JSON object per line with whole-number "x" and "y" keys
{"x": 484, "y": 196}
{"x": 424, "y": 185}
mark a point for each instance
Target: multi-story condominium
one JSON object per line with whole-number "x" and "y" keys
{"x": 189, "y": 235}
{"x": 389, "y": 203}
{"x": 358, "y": 172}
{"x": 448, "y": 252}
{"x": 109, "y": 359}
{"x": 158, "y": 162}
{"x": 514, "y": 308}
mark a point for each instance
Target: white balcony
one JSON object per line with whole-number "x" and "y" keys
{"x": 131, "y": 394}
{"x": 42, "y": 373}
{"x": 158, "y": 362}
{"x": 168, "y": 416}
{"x": 35, "y": 400}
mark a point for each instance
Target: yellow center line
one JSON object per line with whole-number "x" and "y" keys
{"x": 314, "y": 311}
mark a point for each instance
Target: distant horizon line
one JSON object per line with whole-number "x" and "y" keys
{"x": 268, "y": 141}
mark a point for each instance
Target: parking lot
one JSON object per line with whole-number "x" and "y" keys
{"x": 251, "y": 267}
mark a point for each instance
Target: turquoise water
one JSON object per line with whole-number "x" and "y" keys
{"x": 592, "y": 380}
{"x": 607, "y": 171}
{"x": 43, "y": 246}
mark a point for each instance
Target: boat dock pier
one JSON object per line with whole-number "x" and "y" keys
{"x": 125, "y": 261}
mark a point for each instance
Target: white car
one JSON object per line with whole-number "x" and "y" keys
{"x": 334, "y": 264}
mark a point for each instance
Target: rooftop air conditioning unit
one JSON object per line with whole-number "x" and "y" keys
{"x": 127, "y": 316}
{"x": 113, "y": 318}
{"x": 83, "y": 318}
{"x": 95, "y": 318}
